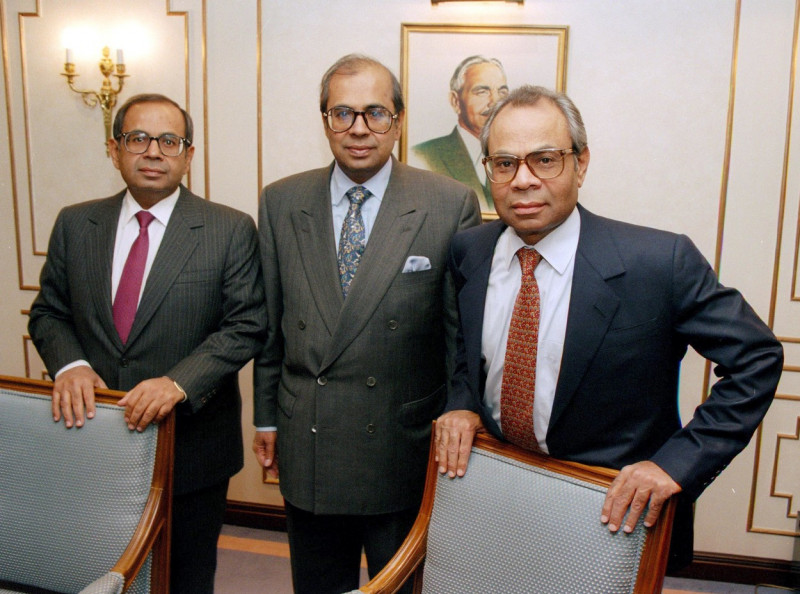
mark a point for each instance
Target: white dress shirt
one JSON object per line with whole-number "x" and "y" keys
{"x": 554, "y": 278}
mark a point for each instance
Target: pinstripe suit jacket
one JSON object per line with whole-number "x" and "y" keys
{"x": 201, "y": 317}
{"x": 353, "y": 385}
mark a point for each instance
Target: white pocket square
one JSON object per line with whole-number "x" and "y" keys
{"x": 416, "y": 264}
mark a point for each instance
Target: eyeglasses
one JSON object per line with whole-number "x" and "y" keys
{"x": 377, "y": 119}
{"x": 546, "y": 164}
{"x": 138, "y": 142}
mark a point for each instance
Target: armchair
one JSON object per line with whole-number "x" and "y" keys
{"x": 520, "y": 521}
{"x": 81, "y": 510}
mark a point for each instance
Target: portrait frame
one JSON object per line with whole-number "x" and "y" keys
{"x": 430, "y": 53}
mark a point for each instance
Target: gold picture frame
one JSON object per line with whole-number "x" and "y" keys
{"x": 529, "y": 54}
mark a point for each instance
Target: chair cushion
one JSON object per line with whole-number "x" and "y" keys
{"x": 70, "y": 498}
{"x": 540, "y": 532}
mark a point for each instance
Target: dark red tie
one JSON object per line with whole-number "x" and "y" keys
{"x": 519, "y": 371}
{"x": 130, "y": 284}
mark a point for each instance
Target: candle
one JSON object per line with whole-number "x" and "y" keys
{"x": 120, "y": 57}
{"x": 69, "y": 56}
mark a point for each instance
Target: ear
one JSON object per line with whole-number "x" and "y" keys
{"x": 455, "y": 103}
{"x": 113, "y": 151}
{"x": 582, "y": 165}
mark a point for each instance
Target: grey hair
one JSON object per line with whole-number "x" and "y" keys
{"x": 353, "y": 64}
{"x": 460, "y": 73}
{"x": 119, "y": 119}
{"x": 529, "y": 95}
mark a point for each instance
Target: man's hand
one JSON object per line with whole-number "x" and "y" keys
{"x": 264, "y": 445}
{"x": 455, "y": 431}
{"x": 73, "y": 395}
{"x": 150, "y": 401}
{"x": 635, "y": 487}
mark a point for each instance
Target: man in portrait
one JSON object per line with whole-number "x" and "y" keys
{"x": 476, "y": 85}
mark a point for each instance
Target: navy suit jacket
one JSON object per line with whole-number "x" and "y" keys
{"x": 639, "y": 298}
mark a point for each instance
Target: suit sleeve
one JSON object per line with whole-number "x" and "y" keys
{"x": 720, "y": 325}
{"x": 267, "y": 369}
{"x": 51, "y": 323}
{"x": 241, "y": 330}
{"x": 470, "y": 216}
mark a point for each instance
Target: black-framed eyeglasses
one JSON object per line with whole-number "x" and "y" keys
{"x": 377, "y": 119}
{"x": 138, "y": 142}
{"x": 545, "y": 164}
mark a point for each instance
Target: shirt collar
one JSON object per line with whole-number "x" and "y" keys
{"x": 161, "y": 210}
{"x": 473, "y": 145}
{"x": 377, "y": 184}
{"x": 558, "y": 247}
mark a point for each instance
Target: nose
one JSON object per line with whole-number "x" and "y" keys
{"x": 525, "y": 178}
{"x": 359, "y": 126}
{"x": 153, "y": 150}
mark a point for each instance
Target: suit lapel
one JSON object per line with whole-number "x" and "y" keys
{"x": 399, "y": 220}
{"x": 177, "y": 245}
{"x": 313, "y": 226}
{"x": 100, "y": 253}
{"x": 591, "y": 309}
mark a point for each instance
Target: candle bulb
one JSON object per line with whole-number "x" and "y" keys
{"x": 120, "y": 57}
{"x": 69, "y": 56}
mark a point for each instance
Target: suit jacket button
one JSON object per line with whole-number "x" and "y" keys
{"x": 322, "y": 380}
{"x": 301, "y": 324}
{"x": 371, "y": 381}
{"x": 313, "y": 428}
{"x": 370, "y": 428}
{"x": 123, "y": 362}
{"x": 393, "y": 324}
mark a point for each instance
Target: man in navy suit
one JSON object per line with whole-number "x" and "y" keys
{"x": 619, "y": 305}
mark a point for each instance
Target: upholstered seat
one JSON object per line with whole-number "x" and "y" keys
{"x": 81, "y": 509}
{"x": 521, "y": 522}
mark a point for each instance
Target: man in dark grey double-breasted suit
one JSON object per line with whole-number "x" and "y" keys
{"x": 352, "y": 383}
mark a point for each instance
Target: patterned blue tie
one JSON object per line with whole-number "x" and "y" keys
{"x": 353, "y": 240}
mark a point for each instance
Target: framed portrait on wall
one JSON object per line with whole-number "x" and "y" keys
{"x": 451, "y": 77}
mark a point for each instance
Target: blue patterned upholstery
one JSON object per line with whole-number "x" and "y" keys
{"x": 71, "y": 499}
{"x": 520, "y": 522}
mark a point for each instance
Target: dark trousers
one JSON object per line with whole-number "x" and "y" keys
{"x": 326, "y": 550}
{"x": 196, "y": 523}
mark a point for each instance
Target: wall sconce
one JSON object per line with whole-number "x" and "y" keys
{"x": 106, "y": 97}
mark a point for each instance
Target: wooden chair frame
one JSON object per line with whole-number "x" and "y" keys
{"x": 408, "y": 562}
{"x": 153, "y": 532}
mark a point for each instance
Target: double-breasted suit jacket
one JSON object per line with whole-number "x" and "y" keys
{"x": 201, "y": 317}
{"x": 353, "y": 385}
{"x": 639, "y": 298}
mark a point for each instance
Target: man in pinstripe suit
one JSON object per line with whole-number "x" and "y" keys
{"x": 200, "y": 317}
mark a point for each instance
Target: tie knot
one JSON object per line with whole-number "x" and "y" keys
{"x": 358, "y": 194}
{"x": 144, "y": 218}
{"x": 528, "y": 259}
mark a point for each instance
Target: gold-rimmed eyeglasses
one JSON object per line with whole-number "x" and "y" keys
{"x": 138, "y": 142}
{"x": 377, "y": 119}
{"x": 544, "y": 164}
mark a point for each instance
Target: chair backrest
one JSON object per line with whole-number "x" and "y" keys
{"x": 523, "y": 522}
{"x": 78, "y": 503}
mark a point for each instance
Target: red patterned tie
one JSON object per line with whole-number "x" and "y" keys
{"x": 519, "y": 371}
{"x": 130, "y": 283}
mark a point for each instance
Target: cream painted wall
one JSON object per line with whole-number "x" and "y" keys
{"x": 680, "y": 140}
